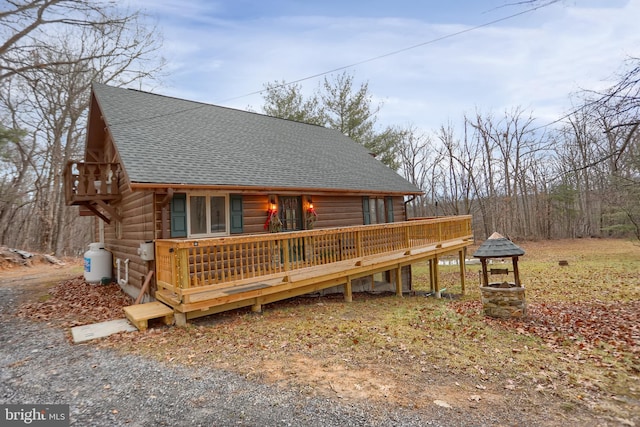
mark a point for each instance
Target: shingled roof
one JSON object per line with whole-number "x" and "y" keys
{"x": 165, "y": 140}
{"x": 498, "y": 246}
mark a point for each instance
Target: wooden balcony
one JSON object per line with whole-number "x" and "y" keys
{"x": 203, "y": 276}
{"x": 93, "y": 186}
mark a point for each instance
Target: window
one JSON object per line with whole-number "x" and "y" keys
{"x": 203, "y": 214}
{"x": 377, "y": 210}
{"x": 207, "y": 214}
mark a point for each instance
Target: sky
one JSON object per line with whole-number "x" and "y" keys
{"x": 454, "y": 57}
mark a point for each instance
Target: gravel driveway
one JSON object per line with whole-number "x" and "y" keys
{"x": 105, "y": 388}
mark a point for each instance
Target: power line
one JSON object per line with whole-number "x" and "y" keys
{"x": 396, "y": 52}
{"x": 355, "y": 64}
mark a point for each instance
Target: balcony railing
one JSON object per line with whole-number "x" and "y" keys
{"x": 87, "y": 182}
{"x": 212, "y": 263}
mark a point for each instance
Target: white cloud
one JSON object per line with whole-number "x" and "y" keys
{"x": 534, "y": 61}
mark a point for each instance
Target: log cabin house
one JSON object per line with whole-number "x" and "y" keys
{"x": 207, "y": 208}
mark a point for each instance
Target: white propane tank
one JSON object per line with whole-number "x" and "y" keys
{"x": 97, "y": 264}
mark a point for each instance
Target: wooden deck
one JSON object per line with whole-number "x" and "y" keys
{"x": 206, "y": 276}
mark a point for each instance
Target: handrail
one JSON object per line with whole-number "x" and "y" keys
{"x": 186, "y": 263}
{"x": 92, "y": 179}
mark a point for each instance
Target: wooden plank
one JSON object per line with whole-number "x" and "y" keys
{"x": 169, "y": 298}
{"x": 461, "y": 261}
{"x": 399, "y": 281}
{"x": 219, "y": 309}
{"x": 348, "y": 295}
{"x": 140, "y": 314}
{"x": 303, "y": 290}
{"x": 436, "y": 277}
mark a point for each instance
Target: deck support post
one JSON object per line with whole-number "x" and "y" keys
{"x": 436, "y": 282}
{"x": 256, "y": 308}
{"x": 348, "y": 295}
{"x": 462, "y": 255}
{"x": 399, "y": 281}
{"x": 180, "y": 318}
{"x": 431, "y": 280}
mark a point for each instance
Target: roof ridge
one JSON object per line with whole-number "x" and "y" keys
{"x": 202, "y": 104}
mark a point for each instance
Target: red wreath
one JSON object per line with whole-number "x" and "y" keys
{"x": 273, "y": 223}
{"x": 312, "y": 216}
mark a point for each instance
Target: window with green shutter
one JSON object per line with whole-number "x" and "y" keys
{"x": 205, "y": 214}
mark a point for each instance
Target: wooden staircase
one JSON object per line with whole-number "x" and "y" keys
{"x": 140, "y": 314}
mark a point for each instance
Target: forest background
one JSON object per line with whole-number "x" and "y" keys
{"x": 576, "y": 177}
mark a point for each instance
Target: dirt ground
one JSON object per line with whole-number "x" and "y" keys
{"x": 472, "y": 399}
{"x": 37, "y": 279}
{"x": 488, "y": 394}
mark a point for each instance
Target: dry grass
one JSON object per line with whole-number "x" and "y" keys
{"x": 575, "y": 358}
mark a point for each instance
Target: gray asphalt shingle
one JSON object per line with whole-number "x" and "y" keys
{"x": 498, "y": 246}
{"x": 168, "y": 140}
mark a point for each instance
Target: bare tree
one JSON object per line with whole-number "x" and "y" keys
{"x": 51, "y": 103}
{"x": 416, "y": 155}
{"x": 598, "y": 158}
{"x": 25, "y": 26}
{"x": 506, "y": 147}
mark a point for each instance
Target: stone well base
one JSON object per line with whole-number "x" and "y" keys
{"x": 503, "y": 303}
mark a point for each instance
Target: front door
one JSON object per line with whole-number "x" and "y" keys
{"x": 290, "y": 213}
{"x": 291, "y": 217}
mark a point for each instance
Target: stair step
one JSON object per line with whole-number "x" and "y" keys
{"x": 140, "y": 314}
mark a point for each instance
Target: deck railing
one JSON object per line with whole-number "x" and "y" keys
{"x": 86, "y": 181}
{"x": 182, "y": 264}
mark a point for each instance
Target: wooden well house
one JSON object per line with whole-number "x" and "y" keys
{"x": 209, "y": 208}
{"x": 502, "y": 298}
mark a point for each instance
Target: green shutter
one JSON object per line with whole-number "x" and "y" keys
{"x": 366, "y": 213}
{"x": 235, "y": 208}
{"x": 179, "y": 215}
{"x": 388, "y": 201}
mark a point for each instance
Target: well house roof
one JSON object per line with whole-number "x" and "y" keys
{"x": 165, "y": 140}
{"x": 498, "y": 246}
